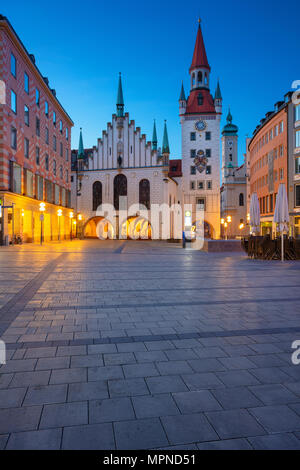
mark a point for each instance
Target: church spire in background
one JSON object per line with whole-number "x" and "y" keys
{"x": 154, "y": 137}
{"x": 80, "y": 154}
{"x": 182, "y": 93}
{"x": 165, "y": 145}
{"x": 218, "y": 95}
{"x": 120, "y": 99}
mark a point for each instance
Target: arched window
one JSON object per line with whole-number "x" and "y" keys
{"x": 241, "y": 199}
{"x": 193, "y": 79}
{"x": 120, "y": 189}
{"x": 97, "y": 195}
{"x": 200, "y": 78}
{"x": 144, "y": 193}
{"x": 200, "y": 99}
{"x": 205, "y": 79}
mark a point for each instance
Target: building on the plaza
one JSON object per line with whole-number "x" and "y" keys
{"x": 234, "y": 185}
{"x": 274, "y": 152}
{"x": 294, "y": 162}
{"x": 200, "y": 117}
{"x": 124, "y": 163}
{"x": 35, "y": 148}
{"x": 248, "y": 192}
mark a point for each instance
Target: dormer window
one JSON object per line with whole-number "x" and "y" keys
{"x": 200, "y": 99}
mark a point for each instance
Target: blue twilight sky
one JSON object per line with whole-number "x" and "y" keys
{"x": 252, "y": 46}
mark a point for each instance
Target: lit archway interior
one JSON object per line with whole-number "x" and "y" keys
{"x": 98, "y": 227}
{"x": 136, "y": 228}
{"x": 203, "y": 228}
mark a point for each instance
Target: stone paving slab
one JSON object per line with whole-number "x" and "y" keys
{"x": 89, "y": 437}
{"x": 144, "y": 345}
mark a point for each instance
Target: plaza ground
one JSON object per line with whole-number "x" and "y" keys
{"x": 144, "y": 345}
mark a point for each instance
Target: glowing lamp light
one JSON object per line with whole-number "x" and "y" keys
{"x": 241, "y": 226}
{"x": 59, "y": 212}
{"x": 42, "y": 207}
{"x": 22, "y": 214}
{"x": 229, "y": 218}
{"x": 222, "y": 221}
{"x": 71, "y": 215}
{"x": 74, "y": 222}
{"x": 79, "y": 217}
{"x": 225, "y": 224}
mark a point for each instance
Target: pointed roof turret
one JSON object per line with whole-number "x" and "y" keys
{"x": 154, "y": 137}
{"x": 199, "y": 57}
{"x": 120, "y": 99}
{"x": 229, "y": 117}
{"x": 182, "y": 94}
{"x": 165, "y": 145}
{"x": 218, "y": 95}
{"x": 229, "y": 128}
{"x": 80, "y": 154}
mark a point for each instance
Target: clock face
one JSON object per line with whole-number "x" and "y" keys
{"x": 200, "y": 125}
{"x": 230, "y": 143}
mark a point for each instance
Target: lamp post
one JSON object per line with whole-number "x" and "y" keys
{"x": 42, "y": 217}
{"x": 226, "y": 225}
{"x": 222, "y": 223}
{"x": 59, "y": 214}
{"x": 228, "y": 221}
{"x": 71, "y": 215}
{"x": 79, "y": 226}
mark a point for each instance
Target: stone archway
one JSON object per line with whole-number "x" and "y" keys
{"x": 137, "y": 228}
{"x": 98, "y": 227}
{"x": 208, "y": 230}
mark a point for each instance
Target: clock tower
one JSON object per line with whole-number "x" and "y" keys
{"x": 200, "y": 116}
{"x": 229, "y": 147}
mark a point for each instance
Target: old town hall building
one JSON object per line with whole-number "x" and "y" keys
{"x": 124, "y": 163}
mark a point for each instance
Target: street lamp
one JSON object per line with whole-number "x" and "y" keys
{"x": 42, "y": 217}
{"x": 222, "y": 223}
{"x": 79, "y": 226}
{"x": 59, "y": 214}
{"x": 228, "y": 221}
{"x": 71, "y": 215}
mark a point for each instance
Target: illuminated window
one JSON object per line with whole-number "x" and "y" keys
{"x": 13, "y": 101}
{"x": 37, "y": 97}
{"x": 26, "y": 83}
{"x": 13, "y": 65}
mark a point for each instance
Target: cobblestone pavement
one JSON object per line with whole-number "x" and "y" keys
{"x": 133, "y": 345}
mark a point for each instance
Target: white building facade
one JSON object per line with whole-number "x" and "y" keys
{"x": 124, "y": 163}
{"x": 200, "y": 117}
{"x": 234, "y": 185}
